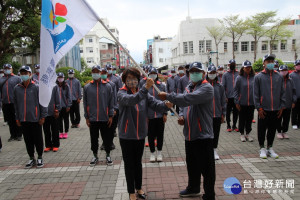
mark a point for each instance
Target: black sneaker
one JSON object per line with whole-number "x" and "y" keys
{"x": 94, "y": 162}
{"x": 102, "y": 147}
{"x": 109, "y": 162}
{"x": 11, "y": 139}
{"x": 40, "y": 163}
{"x": 30, "y": 164}
{"x": 73, "y": 126}
{"x": 187, "y": 193}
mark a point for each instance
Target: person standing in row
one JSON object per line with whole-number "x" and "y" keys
{"x": 243, "y": 99}
{"x": 196, "y": 105}
{"x": 98, "y": 103}
{"x": 228, "y": 81}
{"x": 171, "y": 84}
{"x": 269, "y": 100}
{"x": 181, "y": 73}
{"x": 7, "y": 84}
{"x": 66, "y": 103}
{"x": 184, "y": 80}
{"x": 219, "y": 106}
{"x": 30, "y": 116}
{"x": 36, "y": 75}
{"x": 133, "y": 126}
{"x": 290, "y": 100}
{"x": 220, "y": 73}
{"x": 76, "y": 96}
{"x": 295, "y": 76}
{"x": 144, "y": 79}
{"x": 51, "y": 127}
{"x": 157, "y": 120}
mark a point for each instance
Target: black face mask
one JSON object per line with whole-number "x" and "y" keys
{"x": 232, "y": 67}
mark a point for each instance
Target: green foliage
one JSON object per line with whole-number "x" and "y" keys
{"x": 16, "y": 66}
{"x": 20, "y": 26}
{"x": 258, "y": 65}
{"x": 291, "y": 66}
{"x": 84, "y": 66}
{"x": 87, "y": 72}
{"x": 85, "y": 80}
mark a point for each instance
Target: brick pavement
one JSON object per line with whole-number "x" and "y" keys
{"x": 67, "y": 174}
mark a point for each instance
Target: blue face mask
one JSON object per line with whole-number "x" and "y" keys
{"x": 181, "y": 71}
{"x": 103, "y": 76}
{"x": 7, "y": 71}
{"x": 196, "y": 77}
{"x": 95, "y": 76}
{"x": 270, "y": 66}
{"x": 24, "y": 77}
{"x": 109, "y": 71}
{"x": 114, "y": 71}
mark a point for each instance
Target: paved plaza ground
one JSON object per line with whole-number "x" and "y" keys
{"x": 67, "y": 175}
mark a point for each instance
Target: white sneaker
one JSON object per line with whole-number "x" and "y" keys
{"x": 243, "y": 139}
{"x": 249, "y": 138}
{"x": 272, "y": 153}
{"x": 280, "y": 135}
{"x": 159, "y": 158}
{"x": 217, "y": 157}
{"x": 295, "y": 127}
{"x": 263, "y": 153}
{"x": 152, "y": 157}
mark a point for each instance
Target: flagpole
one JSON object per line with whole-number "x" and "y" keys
{"x": 126, "y": 52}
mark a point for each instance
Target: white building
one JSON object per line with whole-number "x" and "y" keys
{"x": 92, "y": 43}
{"x": 193, "y": 43}
{"x": 161, "y": 51}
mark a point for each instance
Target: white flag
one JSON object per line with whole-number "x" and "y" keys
{"x": 63, "y": 24}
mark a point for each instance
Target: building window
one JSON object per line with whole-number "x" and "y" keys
{"x": 89, "y": 50}
{"x": 160, "y": 50}
{"x": 90, "y": 40}
{"x": 244, "y": 46}
{"x": 185, "y": 48}
{"x": 191, "y": 47}
{"x": 208, "y": 45}
{"x": 201, "y": 46}
{"x": 275, "y": 45}
{"x": 161, "y": 60}
{"x": 103, "y": 55}
{"x": 252, "y": 45}
{"x": 264, "y": 45}
{"x": 293, "y": 44}
{"x": 236, "y": 46}
{"x": 225, "y": 46}
{"x": 89, "y": 60}
{"x": 81, "y": 50}
{"x": 283, "y": 45}
{"x": 104, "y": 46}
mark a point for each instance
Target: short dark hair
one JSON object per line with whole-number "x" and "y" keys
{"x": 133, "y": 71}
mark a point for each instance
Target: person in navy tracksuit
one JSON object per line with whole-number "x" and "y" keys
{"x": 243, "y": 99}
{"x": 66, "y": 103}
{"x": 291, "y": 99}
{"x": 98, "y": 103}
{"x": 220, "y": 73}
{"x": 196, "y": 113}
{"x": 295, "y": 76}
{"x": 269, "y": 100}
{"x": 171, "y": 84}
{"x": 157, "y": 120}
{"x": 30, "y": 116}
{"x": 228, "y": 81}
{"x": 219, "y": 105}
{"x": 134, "y": 104}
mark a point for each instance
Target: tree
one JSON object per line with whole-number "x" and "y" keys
{"x": 278, "y": 32}
{"x": 256, "y": 26}
{"x": 84, "y": 66}
{"x": 235, "y": 28}
{"x": 217, "y": 33}
{"x": 20, "y": 26}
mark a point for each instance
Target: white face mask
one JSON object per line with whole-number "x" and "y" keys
{"x": 221, "y": 72}
{"x": 212, "y": 76}
{"x": 71, "y": 75}
{"x": 153, "y": 76}
{"x": 173, "y": 74}
{"x": 1, "y": 75}
{"x": 37, "y": 70}
{"x": 7, "y": 71}
{"x": 60, "y": 80}
{"x": 284, "y": 73}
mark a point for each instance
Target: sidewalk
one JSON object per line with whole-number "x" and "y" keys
{"x": 67, "y": 174}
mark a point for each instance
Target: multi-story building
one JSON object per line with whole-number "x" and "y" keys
{"x": 161, "y": 51}
{"x": 193, "y": 43}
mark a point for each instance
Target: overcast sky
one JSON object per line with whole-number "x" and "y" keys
{"x": 139, "y": 20}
